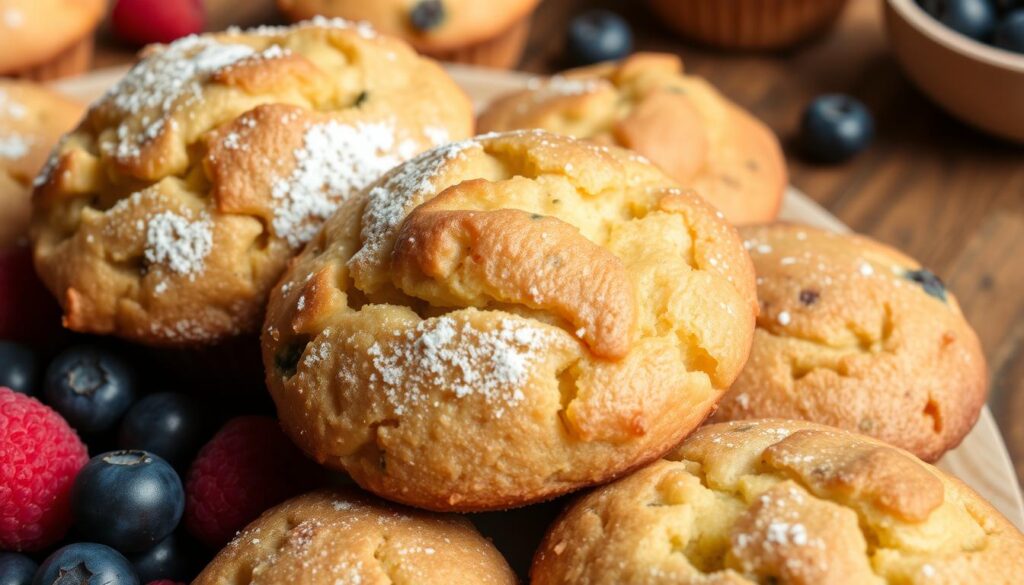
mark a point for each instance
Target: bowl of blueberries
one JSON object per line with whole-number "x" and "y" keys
{"x": 967, "y": 55}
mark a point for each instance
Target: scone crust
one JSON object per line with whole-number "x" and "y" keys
{"x": 845, "y": 338}
{"x": 466, "y": 22}
{"x": 506, "y": 319}
{"x": 339, "y": 537}
{"x": 680, "y": 122}
{"x": 168, "y": 214}
{"x": 32, "y": 33}
{"x": 32, "y": 119}
{"x": 773, "y": 501}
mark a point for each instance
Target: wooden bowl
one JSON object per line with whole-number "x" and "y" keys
{"x": 980, "y": 84}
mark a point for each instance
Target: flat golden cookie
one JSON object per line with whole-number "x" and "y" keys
{"x": 340, "y": 538}
{"x": 775, "y": 502}
{"x": 32, "y": 119}
{"x": 166, "y": 217}
{"x": 680, "y": 122}
{"x": 506, "y": 319}
{"x": 856, "y": 335}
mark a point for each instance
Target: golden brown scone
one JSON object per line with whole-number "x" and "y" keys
{"x": 506, "y": 319}
{"x": 166, "y": 217}
{"x": 856, "y": 335}
{"x": 782, "y": 503}
{"x": 32, "y": 119}
{"x": 482, "y": 32}
{"x": 680, "y": 122}
{"x": 44, "y": 39}
{"x": 342, "y": 538}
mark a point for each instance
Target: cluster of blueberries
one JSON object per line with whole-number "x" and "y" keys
{"x": 127, "y": 502}
{"x": 997, "y": 22}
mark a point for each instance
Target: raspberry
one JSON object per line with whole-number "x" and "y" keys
{"x": 40, "y": 455}
{"x": 248, "y": 466}
{"x": 28, "y": 312}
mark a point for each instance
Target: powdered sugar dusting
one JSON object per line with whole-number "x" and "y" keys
{"x": 391, "y": 200}
{"x": 335, "y": 161}
{"x": 11, "y": 108}
{"x": 167, "y": 80}
{"x": 439, "y": 353}
{"x": 14, "y": 146}
{"x": 178, "y": 243}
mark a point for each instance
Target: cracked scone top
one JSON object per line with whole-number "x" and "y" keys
{"x": 167, "y": 215}
{"x": 680, "y": 122}
{"x": 340, "y": 538}
{"x": 854, "y": 334}
{"x": 32, "y": 119}
{"x": 505, "y": 319}
{"x": 775, "y": 502}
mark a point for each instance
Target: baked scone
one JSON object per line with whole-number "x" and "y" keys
{"x": 680, "y": 122}
{"x": 856, "y": 335}
{"x": 168, "y": 214}
{"x": 32, "y": 119}
{"x": 480, "y": 32}
{"x": 505, "y": 319}
{"x": 782, "y": 503}
{"x": 46, "y": 39}
{"x": 342, "y": 538}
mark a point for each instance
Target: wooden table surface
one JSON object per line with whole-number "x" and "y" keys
{"x": 944, "y": 193}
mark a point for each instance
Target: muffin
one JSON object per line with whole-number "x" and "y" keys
{"x": 340, "y": 538}
{"x": 478, "y": 32}
{"x": 32, "y": 119}
{"x": 748, "y": 24}
{"x": 506, "y": 319}
{"x": 679, "y": 122}
{"x": 782, "y": 503}
{"x": 169, "y": 213}
{"x": 46, "y": 39}
{"x": 856, "y": 335}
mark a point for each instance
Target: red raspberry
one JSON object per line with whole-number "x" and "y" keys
{"x": 157, "y": 21}
{"x": 40, "y": 455}
{"x": 28, "y": 312}
{"x": 247, "y": 467}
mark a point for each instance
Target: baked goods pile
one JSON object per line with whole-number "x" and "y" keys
{"x": 468, "y": 324}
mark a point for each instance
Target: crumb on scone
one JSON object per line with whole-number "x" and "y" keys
{"x": 167, "y": 215}
{"x": 337, "y": 537}
{"x": 782, "y": 502}
{"x": 854, "y": 334}
{"x": 505, "y": 319}
{"x": 680, "y": 122}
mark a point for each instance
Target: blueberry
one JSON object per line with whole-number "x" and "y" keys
{"x": 427, "y": 15}
{"x": 929, "y": 282}
{"x": 171, "y": 426}
{"x": 1010, "y": 32}
{"x": 974, "y": 18}
{"x": 18, "y": 367}
{"x": 130, "y": 500}
{"x": 91, "y": 387}
{"x": 171, "y": 558}
{"x": 599, "y": 35}
{"x": 835, "y": 127}
{"x": 86, "y": 563}
{"x": 16, "y": 569}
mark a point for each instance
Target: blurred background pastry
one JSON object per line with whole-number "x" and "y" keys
{"x": 46, "y": 39}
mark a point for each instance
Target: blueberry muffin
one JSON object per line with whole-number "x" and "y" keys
{"x": 856, "y": 335}
{"x": 168, "y": 214}
{"x": 679, "y": 122}
{"x": 774, "y": 502}
{"x": 341, "y": 538}
{"x": 45, "y": 39}
{"x": 502, "y": 320}
{"x": 32, "y": 119}
{"x": 480, "y": 32}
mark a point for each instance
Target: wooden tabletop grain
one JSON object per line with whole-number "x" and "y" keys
{"x": 949, "y": 196}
